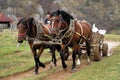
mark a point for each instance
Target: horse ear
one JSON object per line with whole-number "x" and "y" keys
{"x": 58, "y": 12}
{"x": 31, "y": 18}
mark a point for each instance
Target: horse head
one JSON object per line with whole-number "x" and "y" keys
{"x": 60, "y": 21}
{"x": 25, "y": 27}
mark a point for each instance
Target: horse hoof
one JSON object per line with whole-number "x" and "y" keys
{"x": 73, "y": 70}
{"x": 42, "y": 65}
{"x": 53, "y": 66}
{"x": 88, "y": 63}
{"x": 64, "y": 66}
{"x": 36, "y": 72}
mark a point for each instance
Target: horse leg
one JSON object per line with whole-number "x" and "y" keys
{"x": 36, "y": 58}
{"x": 51, "y": 49}
{"x": 53, "y": 56}
{"x": 88, "y": 48}
{"x": 79, "y": 54}
{"x": 66, "y": 53}
{"x": 63, "y": 59}
{"x": 39, "y": 54}
{"x": 74, "y": 64}
{"x": 75, "y": 51}
{"x": 61, "y": 49}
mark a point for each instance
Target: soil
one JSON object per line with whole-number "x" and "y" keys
{"x": 58, "y": 74}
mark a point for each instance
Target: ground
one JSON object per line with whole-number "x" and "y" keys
{"x": 58, "y": 73}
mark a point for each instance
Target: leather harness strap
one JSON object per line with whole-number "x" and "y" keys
{"x": 80, "y": 28}
{"x": 80, "y": 34}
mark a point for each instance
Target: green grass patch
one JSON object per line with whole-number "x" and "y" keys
{"x": 8, "y": 42}
{"x": 106, "y": 69}
{"x": 12, "y": 59}
{"x": 112, "y": 37}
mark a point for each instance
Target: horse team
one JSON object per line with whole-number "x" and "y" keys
{"x": 62, "y": 29}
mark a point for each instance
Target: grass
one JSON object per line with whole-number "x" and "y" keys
{"x": 14, "y": 60}
{"x": 106, "y": 69}
{"x": 12, "y": 57}
{"x": 112, "y": 37}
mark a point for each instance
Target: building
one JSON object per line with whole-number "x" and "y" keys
{"x": 4, "y": 19}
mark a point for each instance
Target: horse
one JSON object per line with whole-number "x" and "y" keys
{"x": 71, "y": 33}
{"x": 30, "y": 29}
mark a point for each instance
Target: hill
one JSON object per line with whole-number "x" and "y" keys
{"x": 104, "y": 13}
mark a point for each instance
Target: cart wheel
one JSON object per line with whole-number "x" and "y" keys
{"x": 105, "y": 49}
{"x": 97, "y": 54}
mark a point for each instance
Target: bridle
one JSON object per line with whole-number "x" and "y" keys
{"x": 60, "y": 24}
{"x": 27, "y": 26}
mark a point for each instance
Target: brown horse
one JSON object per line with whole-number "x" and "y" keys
{"x": 30, "y": 29}
{"x": 71, "y": 33}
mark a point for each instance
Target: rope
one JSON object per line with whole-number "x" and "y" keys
{"x": 40, "y": 32}
{"x": 71, "y": 30}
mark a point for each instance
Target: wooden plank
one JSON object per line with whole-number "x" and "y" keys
{"x": 38, "y": 42}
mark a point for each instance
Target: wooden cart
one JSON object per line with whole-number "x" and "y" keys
{"x": 98, "y": 47}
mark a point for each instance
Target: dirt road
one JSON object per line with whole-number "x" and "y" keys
{"x": 58, "y": 73}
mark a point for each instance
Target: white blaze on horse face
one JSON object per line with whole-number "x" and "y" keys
{"x": 52, "y": 24}
{"x": 18, "y": 45}
{"x": 78, "y": 62}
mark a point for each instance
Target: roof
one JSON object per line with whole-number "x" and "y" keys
{"x": 4, "y": 18}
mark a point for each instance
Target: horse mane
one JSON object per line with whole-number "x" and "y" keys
{"x": 30, "y": 21}
{"x": 66, "y": 16}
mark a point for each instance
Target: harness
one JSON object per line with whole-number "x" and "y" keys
{"x": 70, "y": 32}
{"x": 40, "y": 33}
{"x": 80, "y": 34}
